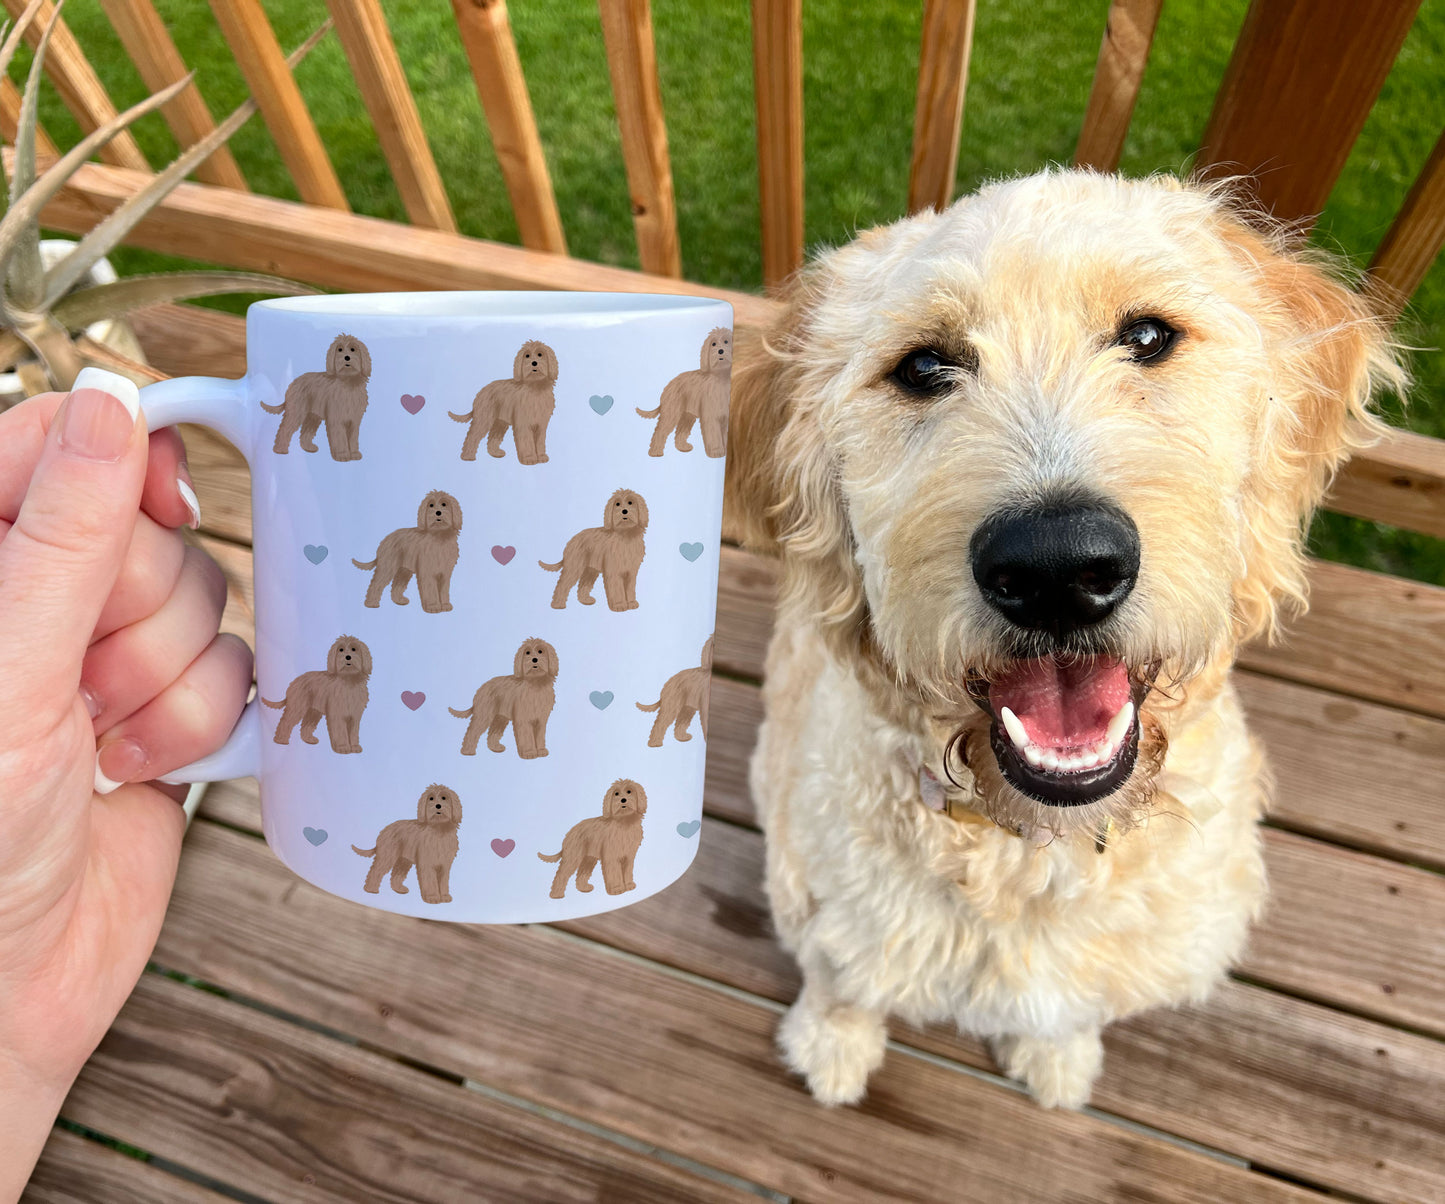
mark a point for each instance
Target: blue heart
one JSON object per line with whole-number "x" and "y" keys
{"x": 690, "y": 828}
{"x": 316, "y": 553}
{"x": 601, "y": 699}
{"x": 315, "y": 835}
{"x": 690, "y": 551}
{"x": 600, "y": 404}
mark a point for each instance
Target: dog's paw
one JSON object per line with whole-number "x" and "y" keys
{"x": 1059, "y": 1073}
{"x": 835, "y": 1051}
{"x": 684, "y": 737}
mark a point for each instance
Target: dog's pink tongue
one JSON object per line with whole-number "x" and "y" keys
{"x": 1063, "y": 704}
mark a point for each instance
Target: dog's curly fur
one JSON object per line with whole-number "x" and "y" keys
{"x": 428, "y": 842}
{"x": 612, "y": 838}
{"x": 336, "y": 397}
{"x": 699, "y": 396}
{"x": 1000, "y": 913}
{"x": 428, "y": 550}
{"x": 337, "y": 694}
{"x": 684, "y": 694}
{"x": 524, "y": 403}
{"x": 615, "y": 550}
{"x": 524, "y": 698}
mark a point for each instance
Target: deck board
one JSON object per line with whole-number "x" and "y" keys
{"x": 76, "y": 1168}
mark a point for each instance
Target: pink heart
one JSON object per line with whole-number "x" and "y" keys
{"x": 502, "y": 847}
{"x": 412, "y": 402}
{"x": 413, "y": 698}
{"x": 503, "y": 555}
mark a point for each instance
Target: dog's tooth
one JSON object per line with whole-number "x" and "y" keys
{"x": 1119, "y": 724}
{"x": 1034, "y": 755}
{"x": 1014, "y": 728}
{"x": 1050, "y": 761}
{"x": 1089, "y": 759}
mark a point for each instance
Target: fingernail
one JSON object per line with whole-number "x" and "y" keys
{"x": 91, "y": 699}
{"x": 188, "y": 495}
{"x": 118, "y": 762}
{"x": 99, "y": 416}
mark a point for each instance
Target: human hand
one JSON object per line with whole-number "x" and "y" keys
{"x": 111, "y": 671}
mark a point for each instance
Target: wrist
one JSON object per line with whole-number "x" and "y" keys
{"x": 29, "y": 1104}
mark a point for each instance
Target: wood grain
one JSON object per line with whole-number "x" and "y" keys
{"x": 637, "y": 93}
{"x": 73, "y": 1168}
{"x": 1414, "y": 239}
{"x": 79, "y": 86}
{"x": 673, "y": 1062}
{"x": 778, "y": 92}
{"x": 366, "y": 38}
{"x": 263, "y": 65}
{"x": 1123, "y": 55}
{"x": 10, "y": 101}
{"x": 944, "y": 46}
{"x": 486, "y": 32}
{"x": 1400, "y": 481}
{"x": 347, "y": 251}
{"x": 148, "y": 43}
{"x": 1299, "y": 85}
{"x": 291, "y": 1115}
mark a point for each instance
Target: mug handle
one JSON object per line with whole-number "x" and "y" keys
{"x": 221, "y": 405}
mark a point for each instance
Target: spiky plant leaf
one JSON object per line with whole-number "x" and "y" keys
{"x": 13, "y": 34}
{"x": 25, "y": 277}
{"x": 79, "y": 309}
{"x": 24, "y": 214}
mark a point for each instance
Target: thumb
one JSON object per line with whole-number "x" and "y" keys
{"x": 61, "y": 558}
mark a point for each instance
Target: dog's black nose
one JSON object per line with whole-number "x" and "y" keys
{"x": 1056, "y": 568}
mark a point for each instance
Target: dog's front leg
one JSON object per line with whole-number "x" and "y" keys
{"x": 539, "y": 737}
{"x": 336, "y": 440}
{"x": 1058, "y": 1071}
{"x": 615, "y": 586}
{"x": 833, "y": 1044}
{"x": 309, "y": 427}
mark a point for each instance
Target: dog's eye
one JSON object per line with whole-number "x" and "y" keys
{"x": 1147, "y": 340}
{"x": 925, "y": 372}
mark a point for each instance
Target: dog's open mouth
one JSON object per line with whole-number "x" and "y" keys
{"x": 1065, "y": 729}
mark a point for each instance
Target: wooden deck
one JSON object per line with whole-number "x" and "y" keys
{"x": 289, "y": 1046}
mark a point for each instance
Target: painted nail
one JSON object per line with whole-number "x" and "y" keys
{"x": 99, "y": 416}
{"x": 91, "y": 699}
{"x": 188, "y": 495}
{"x": 118, "y": 762}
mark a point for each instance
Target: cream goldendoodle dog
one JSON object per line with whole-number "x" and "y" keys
{"x": 524, "y": 698}
{"x": 1036, "y": 467}
{"x": 428, "y": 842}
{"x": 337, "y": 694}
{"x": 612, "y": 838}
{"x": 336, "y": 397}
{"x": 684, "y": 695}
{"x": 524, "y": 403}
{"x": 615, "y": 550}
{"x": 699, "y": 396}
{"x": 427, "y": 550}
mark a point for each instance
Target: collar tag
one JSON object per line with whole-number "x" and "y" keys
{"x": 934, "y": 797}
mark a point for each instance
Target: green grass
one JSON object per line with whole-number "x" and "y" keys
{"x": 1028, "y": 83}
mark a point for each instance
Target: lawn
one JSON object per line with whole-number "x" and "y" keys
{"x": 1028, "y": 83}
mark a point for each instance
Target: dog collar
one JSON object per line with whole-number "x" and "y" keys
{"x": 948, "y": 800}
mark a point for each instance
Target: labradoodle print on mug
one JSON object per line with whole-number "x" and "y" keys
{"x": 336, "y": 693}
{"x": 336, "y": 397}
{"x": 427, "y": 550}
{"x": 611, "y": 838}
{"x": 684, "y": 695}
{"x": 524, "y": 698}
{"x": 428, "y": 842}
{"x": 699, "y": 396}
{"x": 614, "y": 550}
{"x": 524, "y": 403}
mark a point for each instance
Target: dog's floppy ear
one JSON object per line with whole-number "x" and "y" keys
{"x": 421, "y": 523}
{"x": 552, "y": 666}
{"x": 707, "y": 654}
{"x": 456, "y": 508}
{"x": 641, "y": 511}
{"x": 421, "y": 805}
{"x": 552, "y": 370}
{"x": 641, "y": 798}
{"x": 517, "y": 365}
{"x": 365, "y": 654}
{"x": 519, "y": 662}
{"x": 365, "y": 352}
{"x": 333, "y": 657}
{"x": 1330, "y": 354}
{"x": 333, "y": 354}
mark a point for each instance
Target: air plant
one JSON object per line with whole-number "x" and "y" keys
{"x": 42, "y": 313}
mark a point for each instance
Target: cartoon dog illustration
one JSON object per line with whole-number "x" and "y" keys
{"x": 615, "y": 550}
{"x": 684, "y": 694}
{"x": 524, "y": 403}
{"x": 699, "y": 396}
{"x": 428, "y": 842}
{"x": 612, "y": 838}
{"x": 428, "y": 550}
{"x": 524, "y": 698}
{"x": 336, "y": 397}
{"x": 336, "y": 693}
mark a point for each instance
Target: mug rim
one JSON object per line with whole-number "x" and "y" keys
{"x": 473, "y": 304}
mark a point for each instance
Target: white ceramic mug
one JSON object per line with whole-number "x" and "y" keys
{"x": 485, "y": 601}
